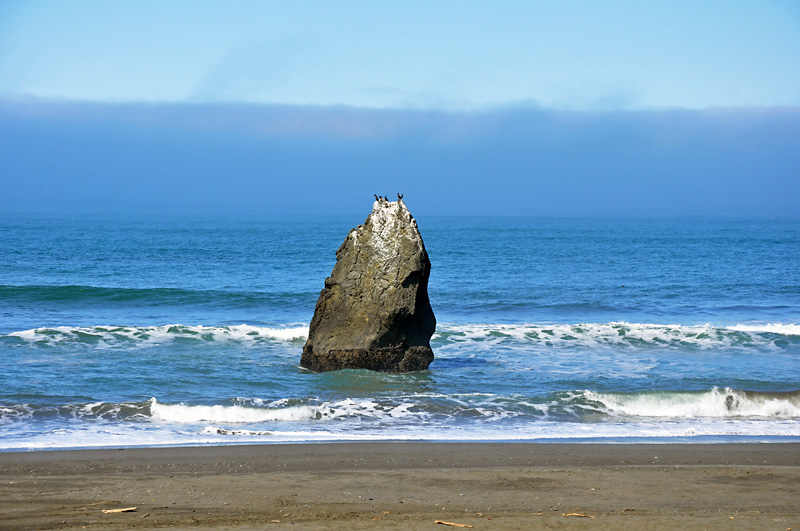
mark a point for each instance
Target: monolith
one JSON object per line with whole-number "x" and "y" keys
{"x": 374, "y": 312}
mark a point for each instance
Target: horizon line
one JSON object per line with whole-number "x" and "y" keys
{"x": 515, "y": 106}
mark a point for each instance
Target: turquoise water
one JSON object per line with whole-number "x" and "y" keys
{"x": 129, "y": 331}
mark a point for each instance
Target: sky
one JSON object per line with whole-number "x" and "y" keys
{"x": 525, "y": 108}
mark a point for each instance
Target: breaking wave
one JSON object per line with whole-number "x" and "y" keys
{"x": 435, "y": 409}
{"x": 237, "y": 414}
{"x": 625, "y": 335}
{"x": 424, "y": 408}
{"x": 581, "y": 336}
{"x": 714, "y": 403}
{"x": 145, "y": 336}
{"x": 725, "y": 413}
{"x": 128, "y": 411}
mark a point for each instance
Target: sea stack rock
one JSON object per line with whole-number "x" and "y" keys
{"x": 374, "y": 312}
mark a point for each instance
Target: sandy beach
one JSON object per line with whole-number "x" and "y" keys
{"x": 406, "y": 486}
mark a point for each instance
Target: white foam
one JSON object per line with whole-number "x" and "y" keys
{"x": 193, "y": 414}
{"x": 101, "y": 434}
{"x": 688, "y": 428}
{"x": 215, "y": 430}
{"x": 772, "y": 328}
{"x": 15, "y": 413}
{"x": 615, "y": 334}
{"x": 110, "y": 336}
{"x": 279, "y": 412}
{"x": 719, "y": 403}
{"x": 584, "y": 335}
{"x": 383, "y": 413}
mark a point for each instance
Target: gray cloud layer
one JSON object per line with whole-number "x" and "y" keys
{"x": 281, "y": 160}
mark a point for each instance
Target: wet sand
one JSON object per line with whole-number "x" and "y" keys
{"x": 406, "y": 486}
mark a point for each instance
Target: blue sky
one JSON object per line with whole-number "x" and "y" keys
{"x": 535, "y": 108}
{"x": 578, "y": 55}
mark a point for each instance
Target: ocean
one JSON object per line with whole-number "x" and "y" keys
{"x": 131, "y": 330}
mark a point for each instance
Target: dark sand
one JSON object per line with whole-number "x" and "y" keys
{"x": 406, "y": 486}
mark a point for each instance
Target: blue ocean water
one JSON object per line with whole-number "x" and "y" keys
{"x": 132, "y": 330}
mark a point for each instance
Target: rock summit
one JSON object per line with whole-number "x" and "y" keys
{"x": 374, "y": 312}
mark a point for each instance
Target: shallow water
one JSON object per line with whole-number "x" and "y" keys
{"x": 121, "y": 331}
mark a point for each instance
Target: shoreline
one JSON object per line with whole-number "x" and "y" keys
{"x": 567, "y": 442}
{"x": 709, "y": 440}
{"x": 405, "y": 485}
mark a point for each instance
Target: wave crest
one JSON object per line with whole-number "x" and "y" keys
{"x": 624, "y": 335}
{"x": 586, "y": 335}
{"x": 715, "y": 403}
{"x": 145, "y": 336}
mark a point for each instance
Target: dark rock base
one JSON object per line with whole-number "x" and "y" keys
{"x": 387, "y": 359}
